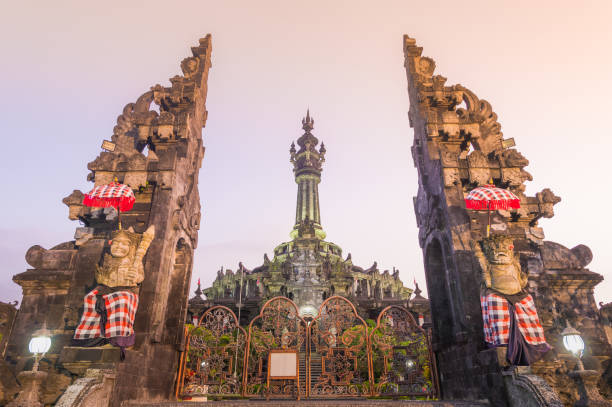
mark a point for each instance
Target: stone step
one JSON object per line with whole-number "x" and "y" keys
{"x": 78, "y": 359}
{"x": 311, "y": 403}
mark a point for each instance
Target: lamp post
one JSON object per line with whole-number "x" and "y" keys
{"x": 573, "y": 343}
{"x": 39, "y": 345}
{"x": 585, "y": 379}
{"x": 32, "y": 380}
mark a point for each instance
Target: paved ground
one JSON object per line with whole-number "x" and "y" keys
{"x": 310, "y": 403}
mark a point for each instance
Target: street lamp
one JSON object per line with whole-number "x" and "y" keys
{"x": 585, "y": 379}
{"x": 39, "y": 345}
{"x": 573, "y": 343}
{"x": 32, "y": 380}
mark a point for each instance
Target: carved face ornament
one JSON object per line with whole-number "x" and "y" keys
{"x": 499, "y": 251}
{"x": 120, "y": 246}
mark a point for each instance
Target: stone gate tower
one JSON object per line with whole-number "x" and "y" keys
{"x": 458, "y": 145}
{"x": 158, "y": 152}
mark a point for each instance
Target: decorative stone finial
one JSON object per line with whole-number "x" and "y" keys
{"x": 198, "y": 291}
{"x": 307, "y": 158}
{"x": 307, "y": 122}
{"x": 417, "y": 290}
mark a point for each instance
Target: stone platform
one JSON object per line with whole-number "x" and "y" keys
{"x": 309, "y": 403}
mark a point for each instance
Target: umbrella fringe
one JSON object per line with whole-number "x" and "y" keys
{"x": 493, "y": 204}
{"x": 120, "y": 203}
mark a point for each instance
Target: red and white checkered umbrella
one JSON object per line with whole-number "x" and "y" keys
{"x": 117, "y": 195}
{"x": 491, "y": 197}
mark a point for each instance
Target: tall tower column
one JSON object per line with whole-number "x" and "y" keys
{"x": 307, "y": 167}
{"x": 307, "y": 206}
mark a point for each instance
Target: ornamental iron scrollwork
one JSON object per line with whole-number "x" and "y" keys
{"x": 278, "y": 327}
{"x": 402, "y": 362}
{"x": 339, "y": 357}
{"x": 213, "y": 362}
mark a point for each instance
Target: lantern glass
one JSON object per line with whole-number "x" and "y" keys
{"x": 574, "y": 344}
{"x": 40, "y": 344}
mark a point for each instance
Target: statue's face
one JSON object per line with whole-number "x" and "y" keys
{"x": 499, "y": 251}
{"x": 120, "y": 246}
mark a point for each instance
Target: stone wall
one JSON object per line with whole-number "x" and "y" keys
{"x": 8, "y": 380}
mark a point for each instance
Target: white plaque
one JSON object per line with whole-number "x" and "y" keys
{"x": 283, "y": 364}
{"x": 108, "y": 145}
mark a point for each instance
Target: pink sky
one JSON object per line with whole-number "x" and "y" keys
{"x": 70, "y": 67}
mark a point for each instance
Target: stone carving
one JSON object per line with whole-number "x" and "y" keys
{"x": 479, "y": 168}
{"x": 451, "y": 177}
{"x": 481, "y": 112}
{"x": 583, "y": 254}
{"x": 74, "y": 201}
{"x": 82, "y": 235}
{"x": 123, "y": 267}
{"x": 449, "y": 158}
{"x": 529, "y": 390}
{"x": 93, "y": 390}
{"x": 189, "y": 66}
{"x": 513, "y": 158}
{"x": 510, "y": 318}
{"x": 546, "y": 199}
{"x": 501, "y": 268}
{"x": 426, "y": 66}
{"x": 110, "y": 308}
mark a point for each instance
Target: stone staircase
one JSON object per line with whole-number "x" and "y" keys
{"x": 315, "y": 367}
{"x": 302, "y": 369}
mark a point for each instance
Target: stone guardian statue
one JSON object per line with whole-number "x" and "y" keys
{"x": 510, "y": 318}
{"x": 110, "y": 308}
{"x": 123, "y": 267}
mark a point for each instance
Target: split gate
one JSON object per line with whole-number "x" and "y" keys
{"x": 281, "y": 355}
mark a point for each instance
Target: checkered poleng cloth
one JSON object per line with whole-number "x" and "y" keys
{"x": 120, "y": 309}
{"x": 496, "y": 320}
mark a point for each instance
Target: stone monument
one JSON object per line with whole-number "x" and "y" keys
{"x": 156, "y": 148}
{"x": 458, "y": 145}
{"x": 308, "y": 269}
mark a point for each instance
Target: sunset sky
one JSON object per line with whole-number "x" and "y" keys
{"x": 69, "y": 68}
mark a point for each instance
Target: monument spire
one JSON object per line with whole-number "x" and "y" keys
{"x": 307, "y": 167}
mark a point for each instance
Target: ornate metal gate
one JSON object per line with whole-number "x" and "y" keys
{"x": 213, "y": 363}
{"x": 336, "y": 355}
{"x": 277, "y": 328}
{"x": 401, "y": 356}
